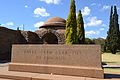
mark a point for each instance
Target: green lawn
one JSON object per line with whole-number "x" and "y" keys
{"x": 112, "y": 70}
{"x": 111, "y": 59}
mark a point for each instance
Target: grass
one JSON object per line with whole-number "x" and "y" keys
{"x": 111, "y": 59}
{"x": 116, "y": 70}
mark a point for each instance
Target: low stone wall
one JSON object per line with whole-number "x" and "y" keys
{"x": 33, "y": 38}
{"x": 7, "y": 38}
{"x": 75, "y": 60}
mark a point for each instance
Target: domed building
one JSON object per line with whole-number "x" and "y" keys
{"x": 52, "y": 31}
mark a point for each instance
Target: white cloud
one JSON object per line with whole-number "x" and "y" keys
{"x": 86, "y": 11}
{"x": 8, "y": 24}
{"x": 51, "y": 1}
{"x": 105, "y": 7}
{"x": 104, "y": 25}
{"x": 102, "y": 29}
{"x": 38, "y": 24}
{"x": 93, "y": 4}
{"x": 103, "y": 37}
{"x": 85, "y": 25}
{"x": 91, "y": 32}
{"x": 41, "y": 12}
{"x": 93, "y": 21}
{"x": 26, "y": 6}
{"x": 88, "y": 33}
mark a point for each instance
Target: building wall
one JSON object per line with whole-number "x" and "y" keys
{"x": 31, "y": 37}
{"x": 58, "y": 32}
{"x": 7, "y": 38}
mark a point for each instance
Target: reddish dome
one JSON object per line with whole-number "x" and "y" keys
{"x": 54, "y": 22}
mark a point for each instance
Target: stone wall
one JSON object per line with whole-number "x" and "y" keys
{"x": 7, "y": 38}
{"x": 73, "y": 60}
{"x": 59, "y": 33}
{"x": 31, "y": 37}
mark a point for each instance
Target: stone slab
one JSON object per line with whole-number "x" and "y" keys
{"x": 5, "y": 74}
{"x": 64, "y": 70}
{"x": 13, "y": 75}
{"x": 75, "y": 60}
{"x": 5, "y": 79}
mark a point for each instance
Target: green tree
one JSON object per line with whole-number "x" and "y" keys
{"x": 100, "y": 41}
{"x": 89, "y": 41}
{"x": 113, "y": 33}
{"x": 116, "y": 25}
{"x": 18, "y": 29}
{"x": 71, "y": 25}
{"x": 80, "y": 28}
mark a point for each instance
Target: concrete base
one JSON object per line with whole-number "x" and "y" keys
{"x": 55, "y": 69}
{"x": 12, "y": 75}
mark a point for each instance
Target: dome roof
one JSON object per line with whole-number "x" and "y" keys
{"x": 54, "y": 22}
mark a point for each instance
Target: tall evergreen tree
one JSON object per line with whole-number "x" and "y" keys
{"x": 113, "y": 33}
{"x": 80, "y": 28}
{"x": 71, "y": 25}
{"x": 110, "y": 29}
{"x": 18, "y": 29}
{"x": 115, "y": 19}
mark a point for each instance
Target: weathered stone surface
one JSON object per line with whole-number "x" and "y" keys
{"x": 7, "y": 38}
{"x": 14, "y": 75}
{"x": 54, "y": 21}
{"x": 31, "y": 37}
{"x": 59, "y": 33}
{"x": 77, "y": 60}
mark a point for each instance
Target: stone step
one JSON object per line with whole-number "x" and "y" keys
{"x": 12, "y": 75}
{"x": 5, "y": 79}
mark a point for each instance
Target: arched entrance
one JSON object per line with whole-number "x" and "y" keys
{"x": 50, "y": 38}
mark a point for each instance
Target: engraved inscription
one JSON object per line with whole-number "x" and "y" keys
{"x": 57, "y": 55}
{"x": 48, "y": 53}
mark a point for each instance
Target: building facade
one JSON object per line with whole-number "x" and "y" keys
{"x": 52, "y": 32}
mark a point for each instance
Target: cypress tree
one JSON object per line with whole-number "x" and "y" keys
{"x": 113, "y": 33}
{"x": 71, "y": 25}
{"x": 110, "y": 29}
{"x": 116, "y": 25}
{"x": 18, "y": 29}
{"x": 115, "y": 18}
{"x": 80, "y": 28}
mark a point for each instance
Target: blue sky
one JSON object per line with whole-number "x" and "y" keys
{"x": 32, "y": 13}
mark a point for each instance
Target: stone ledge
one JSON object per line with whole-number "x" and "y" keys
{"x": 13, "y": 75}
{"x": 56, "y": 69}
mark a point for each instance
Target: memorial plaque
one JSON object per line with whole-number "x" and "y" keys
{"x": 76, "y": 60}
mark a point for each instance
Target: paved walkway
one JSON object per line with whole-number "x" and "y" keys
{"x": 5, "y": 79}
{"x": 4, "y": 63}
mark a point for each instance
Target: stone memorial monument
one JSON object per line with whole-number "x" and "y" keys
{"x": 71, "y": 60}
